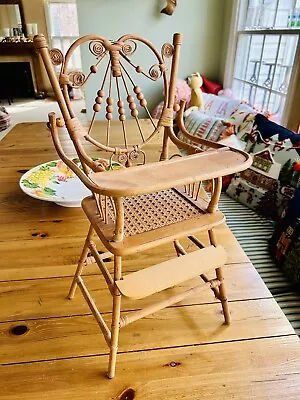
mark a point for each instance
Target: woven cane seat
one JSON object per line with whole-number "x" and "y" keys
{"x": 147, "y": 219}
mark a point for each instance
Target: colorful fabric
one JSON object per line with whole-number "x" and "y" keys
{"x": 203, "y": 126}
{"x": 218, "y": 106}
{"x": 242, "y": 118}
{"x": 5, "y": 120}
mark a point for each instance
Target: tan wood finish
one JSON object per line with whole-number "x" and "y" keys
{"x": 148, "y": 281}
{"x": 176, "y": 172}
{"x": 256, "y": 357}
{"x": 141, "y": 205}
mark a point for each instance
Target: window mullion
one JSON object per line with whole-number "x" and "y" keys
{"x": 259, "y": 68}
{"x": 275, "y": 67}
{"x": 248, "y": 58}
{"x": 276, "y": 13}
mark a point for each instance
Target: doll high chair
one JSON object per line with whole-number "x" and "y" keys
{"x": 141, "y": 205}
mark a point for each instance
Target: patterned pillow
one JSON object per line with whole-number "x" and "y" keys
{"x": 203, "y": 126}
{"x": 156, "y": 113}
{"x": 5, "y": 119}
{"x": 218, "y": 106}
{"x": 242, "y": 118}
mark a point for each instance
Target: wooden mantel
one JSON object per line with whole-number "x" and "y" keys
{"x": 24, "y": 52}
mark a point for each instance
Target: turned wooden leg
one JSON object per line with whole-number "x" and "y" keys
{"x": 80, "y": 265}
{"x": 222, "y": 289}
{"x": 115, "y": 323}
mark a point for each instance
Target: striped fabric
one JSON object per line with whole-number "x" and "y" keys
{"x": 252, "y": 232}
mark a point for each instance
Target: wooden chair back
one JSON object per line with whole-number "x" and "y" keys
{"x": 116, "y": 75}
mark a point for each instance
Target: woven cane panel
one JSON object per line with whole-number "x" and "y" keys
{"x": 151, "y": 211}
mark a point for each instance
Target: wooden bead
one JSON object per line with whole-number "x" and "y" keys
{"x": 137, "y": 89}
{"x": 109, "y": 116}
{"x": 109, "y": 109}
{"x": 96, "y": 107}
{"x": 99, "y": 100}
{"x": 130, "y": 99}
{"x": 101, "y": 93}
{"x": 140, "y": 96}
{"x": 176, "y": 107}
{"x": 120, "y": 103}
{"x": 122, "y": 117}
{"x": 139, "y": 69}
{"x": 121, "y": 110}
{"x": 60, "y": 122}
{"x": 109, "y": 101}
{"x": 132, "y": 106}
{"x": 134, "y": 113}
{"x": 143, "y": 102}
{"x": 93, "y": 69}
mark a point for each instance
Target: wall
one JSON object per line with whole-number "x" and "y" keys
{"x": 201, "y": 23}
{"x": 34, "y": 12}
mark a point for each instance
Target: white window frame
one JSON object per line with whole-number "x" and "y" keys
{"x": 52, "y": 38}
{"x": 239, "y": 6}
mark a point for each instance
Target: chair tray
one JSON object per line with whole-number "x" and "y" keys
{"x": 176, "y": 172}
{"x": 161, "y": 276}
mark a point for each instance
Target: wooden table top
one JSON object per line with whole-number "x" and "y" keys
{"x": 182, "y": 352}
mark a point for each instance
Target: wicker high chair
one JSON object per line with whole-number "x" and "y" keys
{"x": 142, "y": 205}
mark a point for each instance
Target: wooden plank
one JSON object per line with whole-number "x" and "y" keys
{"x": 17, "y": 206}
{"x": 147, "y": 281}
{"x": 261, "y": 369}
{"x": 57, "y": 256}
{"x": 57, "y": 338}
{"x": 44, "y": 298}
{"x": 41, "y": 229}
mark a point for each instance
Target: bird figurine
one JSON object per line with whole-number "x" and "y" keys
{"x": 170, "y": 7}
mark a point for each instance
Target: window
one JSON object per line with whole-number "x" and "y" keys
{"x": 63, "y": 27}
{"x": 266, "y": 49}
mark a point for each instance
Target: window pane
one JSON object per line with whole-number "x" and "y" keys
{"x": 255, "y": 55}
{"x": 262, "y": 14}
{"x": 242, "y": 55}
{"x": 285, "y": 63}
{"x": 63, "y": 19}
{"x": 269, "y": 59}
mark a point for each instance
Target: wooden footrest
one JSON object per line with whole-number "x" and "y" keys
{"x": 159, "y": 277}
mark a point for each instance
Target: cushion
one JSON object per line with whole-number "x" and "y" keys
{"x": 5, "y": 120}
{"x": 218, "y": 106}
{"x": 156, "y": 113}
{"x": 243, "y": 118}
{"x": 203, "y": 126}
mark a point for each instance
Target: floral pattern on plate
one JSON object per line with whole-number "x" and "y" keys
{"x": 55, "y": 181}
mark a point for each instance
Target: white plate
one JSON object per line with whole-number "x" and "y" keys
{"x": 55, "y": 181}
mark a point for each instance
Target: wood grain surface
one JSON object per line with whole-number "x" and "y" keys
{"x": 182, "y": 352}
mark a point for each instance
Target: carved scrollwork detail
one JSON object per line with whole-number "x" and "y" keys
{"x": 96, "y": 48}
{"x": 56, "y": 56}
{"x": 155, "y": 72}
{"x": 122, "y": 157}
{"x": 167, "y": 50}
{"x": 129, "y": 47}
{"x": 134, "y": 155}
{"x": 77, "y": 78}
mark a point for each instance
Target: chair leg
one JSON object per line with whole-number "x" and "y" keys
{"x": 222, "y": 288}
{"x": 115, "y": 323}
{"x": 80, "y": 265}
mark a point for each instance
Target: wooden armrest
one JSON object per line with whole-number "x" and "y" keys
{"x": 161, "y": 175}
